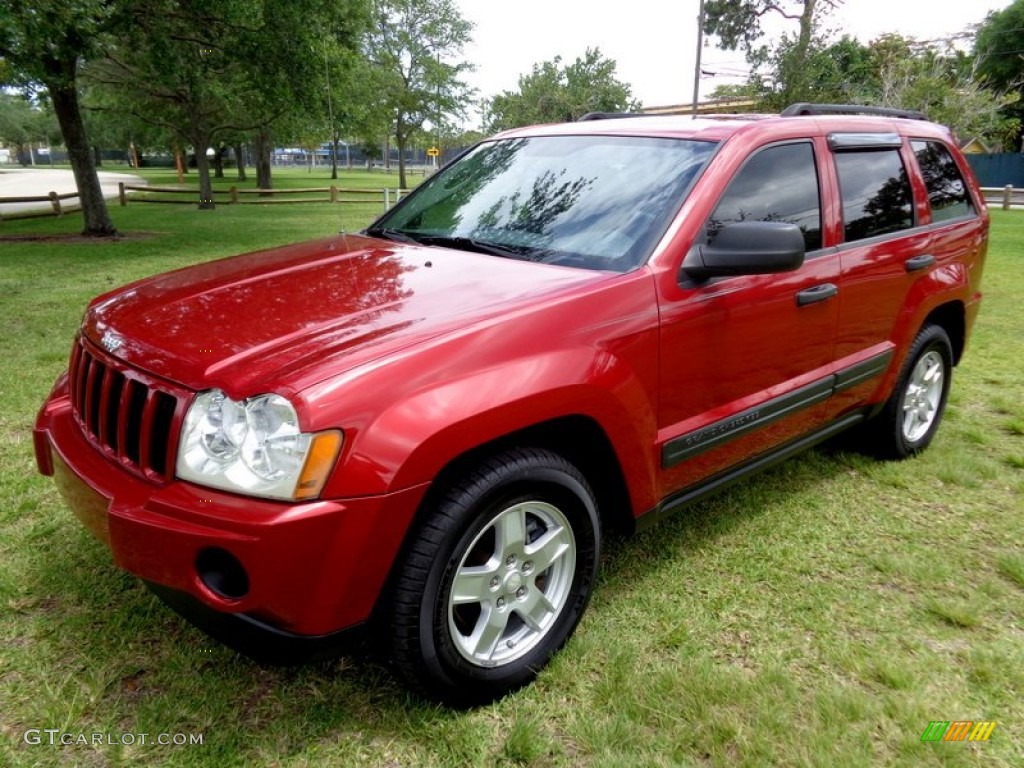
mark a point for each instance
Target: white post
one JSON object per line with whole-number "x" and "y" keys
{"x": 387, "y": 199}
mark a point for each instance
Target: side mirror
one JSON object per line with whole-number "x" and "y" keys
{"x": 747, "y": 248}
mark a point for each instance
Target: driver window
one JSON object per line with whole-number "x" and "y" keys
{"x": 779, "y": 183}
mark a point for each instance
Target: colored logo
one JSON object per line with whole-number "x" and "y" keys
{"x": 958, "y": 730}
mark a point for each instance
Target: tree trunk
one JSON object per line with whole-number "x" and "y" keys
{"x": 180, "y": 160}
{"x": 205, "y": 186}
{"x": 64, "y": 96}
{"x": 806, "y": 29}
{"x": 263, "y": 150}
{"x": 239, "y": 161}
{"x": 97, "y": 156}
{"x": 334, "y": 155}
{"x": 400, "y": 139}
{"x": 201, "y": 140}
{"x": 218, "y": 162}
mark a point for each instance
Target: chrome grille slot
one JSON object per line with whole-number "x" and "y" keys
{"x": 128, "y": 416}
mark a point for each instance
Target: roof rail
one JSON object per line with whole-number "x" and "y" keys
{"x": 609, "y": 116}
{"x": 803, "y": 108}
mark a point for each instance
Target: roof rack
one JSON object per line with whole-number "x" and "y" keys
{"x": 804, "y": 108}
{"x": 610, "y": 115}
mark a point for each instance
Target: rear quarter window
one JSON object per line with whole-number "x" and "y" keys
{"x": 947, "y": 191}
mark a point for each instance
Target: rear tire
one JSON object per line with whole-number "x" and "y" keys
{"x": 912, "y": 414}
{"x": 496, "y": 578}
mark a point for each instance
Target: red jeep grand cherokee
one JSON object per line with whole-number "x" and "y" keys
{"x": 424, "y": 428}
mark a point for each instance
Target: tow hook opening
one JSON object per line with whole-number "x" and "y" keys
{"x": 222, "y": 573}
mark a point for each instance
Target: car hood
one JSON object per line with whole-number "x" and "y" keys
{"x": 288, "y": 317}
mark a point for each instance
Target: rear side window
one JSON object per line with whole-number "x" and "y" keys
{"x": 876, "y": 193}
{"x": 779, "y": 183}
{"x": 947, "y": 192}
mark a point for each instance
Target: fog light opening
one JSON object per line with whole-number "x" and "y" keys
{"x": 222, "y": 573}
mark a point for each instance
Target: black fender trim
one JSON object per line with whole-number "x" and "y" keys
{"x": 723, "y": 480}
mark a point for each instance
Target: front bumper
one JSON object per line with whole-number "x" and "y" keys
{"x": 307, "y": 569}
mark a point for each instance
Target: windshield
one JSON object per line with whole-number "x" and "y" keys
{"x": 597, "y": 202}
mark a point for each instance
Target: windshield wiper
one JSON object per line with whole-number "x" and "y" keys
{"x": 463, "y": 243}
{"x": 396, "y": 235}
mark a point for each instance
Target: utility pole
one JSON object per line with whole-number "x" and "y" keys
{"x": 696, "y": 66}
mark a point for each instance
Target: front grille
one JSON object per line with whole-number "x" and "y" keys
{"x": 130, "y": 417}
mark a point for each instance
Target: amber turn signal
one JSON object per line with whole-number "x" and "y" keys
{"x": 323, "y": 452}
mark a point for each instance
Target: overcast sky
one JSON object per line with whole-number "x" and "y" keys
{"x": 653, "y": 41}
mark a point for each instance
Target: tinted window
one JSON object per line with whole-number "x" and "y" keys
{"x": 598, "y": 202}
{"x": 777, "y": 184}
{"x": 876, "y": 193}
{"x": 947, "y": 192}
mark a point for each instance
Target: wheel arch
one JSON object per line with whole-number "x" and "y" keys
{"x": 577, "y": 438}
{"x": 951, "y": 317}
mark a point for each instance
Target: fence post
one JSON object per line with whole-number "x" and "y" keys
{"x": 1007, "y": 196}
{"x": 398, "y": 195}
{"x": 233, "y": 194}
{"x": 55, "y": 202}
{"x": 334, "y": 193}
{"x": 121, "y": 195}
{"x": 387, "y": 199}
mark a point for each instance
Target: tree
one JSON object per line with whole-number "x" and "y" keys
{"x": 997, "y": 49}
{"x": 892, "y": 71}
{"x": 22, "y": 124}
{"x": 43, "y": 42}
{"x": 301, "y": 49}
{"x": 553, "y": 93}
{"x": 174, "y": 67}
{"x": 944, "y": 85}
{"x": 413, "y": 48}
{"x": 842, "y": 72}
{"x": 792, "y": 70}
{"x": 737, "y": 23}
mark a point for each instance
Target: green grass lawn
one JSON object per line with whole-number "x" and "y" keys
{"x": 821, "y": 614}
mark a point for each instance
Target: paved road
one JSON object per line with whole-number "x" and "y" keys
{"x": 23, "y": 182}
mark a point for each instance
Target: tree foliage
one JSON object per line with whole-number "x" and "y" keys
{"x": 894, "y": 71}
{"x": 737, "y": 23}
{"x": 209, "y": 71}
{"x": 943, "y": 84}
{"x": 555, "y": 93}
{"x": 22, "y": 123}
{"x": 412, "y": 51}
{"x": 43, "y": 42}
{"x": 999, "y": 45}
{"x": 176, "y": 67}
{"x": 999, "y": 52}
{"x": 838, "y": 72}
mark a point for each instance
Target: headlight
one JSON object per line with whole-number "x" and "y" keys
{"x": 254, "y": 447}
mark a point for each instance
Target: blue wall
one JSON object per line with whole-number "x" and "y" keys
{"x": 998, "y": 170}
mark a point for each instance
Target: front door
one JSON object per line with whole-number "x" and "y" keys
{"x": 745, "y": 360}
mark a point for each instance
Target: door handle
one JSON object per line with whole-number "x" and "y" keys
{"x": 919, "y": 262}
{"x": 815, "y": 294}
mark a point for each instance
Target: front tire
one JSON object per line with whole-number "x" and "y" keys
{"x": 496, "y": 578}
{"x": 913, "y": 412}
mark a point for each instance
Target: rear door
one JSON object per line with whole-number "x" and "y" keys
{"x": 895, "y": 241}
